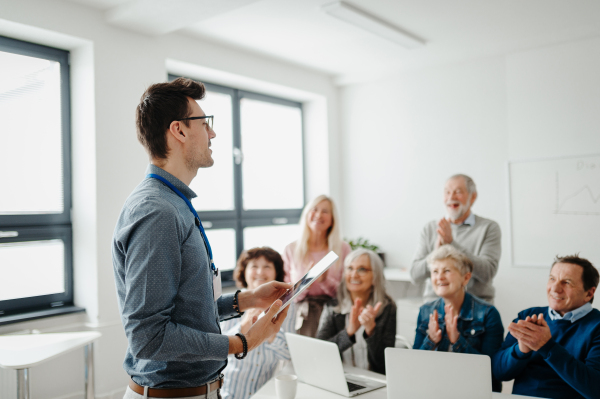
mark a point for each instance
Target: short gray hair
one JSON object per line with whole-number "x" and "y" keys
{"x": 461, "y": 261}
{"x": 378, "y": 294}
{"x": 471, "y": 187}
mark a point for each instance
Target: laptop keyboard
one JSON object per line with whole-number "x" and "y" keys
{"x": 354, "y": 387}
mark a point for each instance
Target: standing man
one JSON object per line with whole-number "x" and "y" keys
{"x": 476, "y": 237}
{"x": 168, "y": 286}
{"x": 554, "y": 351}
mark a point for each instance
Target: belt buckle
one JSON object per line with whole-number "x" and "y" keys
{"x": 219, "y": 380}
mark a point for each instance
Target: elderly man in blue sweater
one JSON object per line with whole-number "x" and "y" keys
{"x": 554, "y": 351}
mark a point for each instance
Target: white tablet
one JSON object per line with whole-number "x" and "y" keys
{"x": 305, "y": 282}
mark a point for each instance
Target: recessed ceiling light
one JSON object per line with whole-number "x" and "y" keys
{"x": 355, "y": 16}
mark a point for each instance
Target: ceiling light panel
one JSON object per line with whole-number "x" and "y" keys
{"x": 357, "y": 17}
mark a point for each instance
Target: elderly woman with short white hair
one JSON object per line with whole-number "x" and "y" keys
{"x": 457, "y": 321}
{"x": 363, "y": 320}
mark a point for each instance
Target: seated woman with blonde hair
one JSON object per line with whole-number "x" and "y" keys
{"x": 457, "y": 321}
{"x": 363, "y": 321}
{"x": 320, "y": 234}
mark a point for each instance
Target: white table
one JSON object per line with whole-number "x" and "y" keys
{"x": 21, "y": 352}
{"x": 396, "y": 274}
{"x": 306, "y": 391}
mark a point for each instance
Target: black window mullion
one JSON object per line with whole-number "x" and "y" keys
{"x": 237, "y": 174}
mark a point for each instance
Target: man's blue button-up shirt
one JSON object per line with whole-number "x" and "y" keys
{"x": 164, "y": 287}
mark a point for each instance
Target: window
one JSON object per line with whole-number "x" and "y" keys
{"x": 254, "y": 193}
{"x": 35, "y": 176}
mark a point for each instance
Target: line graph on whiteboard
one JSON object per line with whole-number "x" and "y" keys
{"x": 578, "y": 188}
{"x": 554, "y": 208}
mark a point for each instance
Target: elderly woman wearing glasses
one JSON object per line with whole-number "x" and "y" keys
{"x": 457, "y": 321}
{"x": 363, "y": 321}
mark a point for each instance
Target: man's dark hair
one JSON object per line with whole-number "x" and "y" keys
{"x": 239, "y": 274}
{"x": 589, "y": 275}
{"x": 161, "y": 104}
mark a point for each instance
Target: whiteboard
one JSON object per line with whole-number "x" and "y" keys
{"x": 554, "y": 209}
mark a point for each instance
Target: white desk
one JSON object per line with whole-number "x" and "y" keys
{"x": 306, "y": 391}
{"x": 20, "y": 352}
{"x": 396, "y": 274}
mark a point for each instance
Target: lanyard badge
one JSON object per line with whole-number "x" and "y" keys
{"x": 216, "y": 274}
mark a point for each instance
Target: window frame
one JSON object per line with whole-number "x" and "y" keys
{"x": 239, "y": 218}
{"x": 36, "y": 227}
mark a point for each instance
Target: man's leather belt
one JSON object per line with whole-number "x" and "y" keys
{"x": 175, "y": 392}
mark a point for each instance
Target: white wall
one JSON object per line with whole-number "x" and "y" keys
{"x": 112, "y": 67}
{"x": 404, "y": 135}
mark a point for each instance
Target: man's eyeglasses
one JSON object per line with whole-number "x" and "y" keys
{"x": 209, "y": 119}
{"x": 361, "y": 271}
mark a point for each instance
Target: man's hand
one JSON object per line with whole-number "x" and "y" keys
{"x": 367, "y": 318}
{"x": 263, "y": 328}
{"x": 512, "y": 327}
{"x": 451, "y": 324}
{"x": 262, "y": 296}
{"x": 353, "y": 322}
{"x": 248, "y": 319}
{"x": 433, "y": 330}
{"x": 531, "y": 333}
{"x": 445, "y": 231}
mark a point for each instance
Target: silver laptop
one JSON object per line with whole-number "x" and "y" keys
{"x": 318, "y": 363}
{"x": 419, "y": 374}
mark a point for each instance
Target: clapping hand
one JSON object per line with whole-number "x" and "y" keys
{"x": 367, "y": 318}
{"x": 531, "y": 333}
{"x": 353, "y": 321}
{"x": 444, "y": 232}
{"x": 451, "y": 324}
{"x": 434, "y": 332}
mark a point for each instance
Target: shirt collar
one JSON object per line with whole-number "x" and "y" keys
{"x": 470, "y": 221}
{"x": 181, "y": 186}
{"x": 573, "y": 315}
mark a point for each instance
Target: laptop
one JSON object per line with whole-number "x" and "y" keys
{"x": 419, "y": 374}
{"x": 317, "y": 362}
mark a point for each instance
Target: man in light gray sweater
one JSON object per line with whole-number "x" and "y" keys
{"x": 477, "y": 237}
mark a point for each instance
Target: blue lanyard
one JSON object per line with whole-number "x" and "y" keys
{"x": 198, "y": 222}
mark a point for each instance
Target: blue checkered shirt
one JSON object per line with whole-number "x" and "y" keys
{"x": 164, "y": 287}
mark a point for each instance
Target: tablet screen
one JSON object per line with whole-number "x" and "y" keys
{"x": 308, "y": 279}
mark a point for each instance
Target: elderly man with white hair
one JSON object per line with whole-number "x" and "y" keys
{"x": 475, "y": 236}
